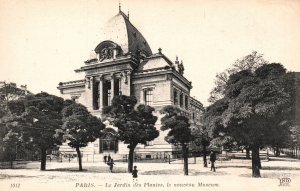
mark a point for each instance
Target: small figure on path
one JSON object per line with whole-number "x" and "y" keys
{"x": 134, "y": 173}
{"x": 108, "y": 158}
{"x": 111, "y": 164}
{"x": 212, "y": 159}
{"x": 105, "y": 159}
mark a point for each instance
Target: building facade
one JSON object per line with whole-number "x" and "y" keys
{"x": 123, "y": 63}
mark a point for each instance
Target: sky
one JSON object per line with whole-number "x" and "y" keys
{"x": 43, "y": 42}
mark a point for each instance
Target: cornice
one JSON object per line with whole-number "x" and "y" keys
{"x": 108, "y": 63}
{"x": 76, "y": 83}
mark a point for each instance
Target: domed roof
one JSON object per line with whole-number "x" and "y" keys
{"x": 120, "y": 31}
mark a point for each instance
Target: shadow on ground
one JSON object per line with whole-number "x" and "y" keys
{"x": 20, "y": 165}
{"x": 180, "y": 172}
{"x": 232, "y": 166}
{"x": 271, "y": 175}
{"x": 90, "y": 170}
{"x": 8, "y": 176}
{"x": 287, "y": 159}
{"x": 280, "y": 168}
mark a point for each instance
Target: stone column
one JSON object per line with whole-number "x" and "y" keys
{"x": 129, "y": 81}
{"x": 112, "y": 87}
{"x": 125, "y": 85}
{"x": 89, "y": 92}
{"x": 100, "y": 92}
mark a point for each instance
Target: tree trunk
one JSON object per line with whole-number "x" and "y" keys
{"x": 204, "y": 156}
{"x": 130, "y": 157}
{"x": 43, "y": 158}
{"x": 247, "y": 153}
{"x": 130, "y": 160}
{"x": 255, "y": 161}
{"x": 11, "y": 161}
{"x": 79, "y": 158}
{"x": 185, "y": 159}
{"x": 277, "y": 152}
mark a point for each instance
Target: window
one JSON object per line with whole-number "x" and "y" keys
{"x": 181, "y": 100}
{"x": 148, "y": 97}
{"x": 175, "y": 97}
{"x": 186, "y": 102}
{"x": 106, "y": 93}
{"x": 96, "y": 95}
{"x": 117, "y": 87}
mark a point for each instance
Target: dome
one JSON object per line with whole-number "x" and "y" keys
{"x": 120, "y": 31}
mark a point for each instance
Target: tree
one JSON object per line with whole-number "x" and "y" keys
{"x": 79, "y": 127}
{"x": 11, "y": 142}
{"x": 256, "y": 104}
{"x": 201, "y": 138}
{"x": 136, "y": 124}
{"x": 250, "y": 62}
{"x": 10, "y": 134}
{"x": 38, "y": 117}
{"x": 8, "y": 93}
{"x": 179, "y": 131}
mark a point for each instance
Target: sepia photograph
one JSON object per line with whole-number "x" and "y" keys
{"x": 149, "y": 95}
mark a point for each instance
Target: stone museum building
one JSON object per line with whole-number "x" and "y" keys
{"x": 123, "y": 63}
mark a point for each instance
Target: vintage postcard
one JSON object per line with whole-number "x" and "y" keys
{"x": 149, "y": 95}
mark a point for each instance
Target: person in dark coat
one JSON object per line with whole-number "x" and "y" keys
{"x": 105, "y": 158}
{"x": 212, "y": 159}
{"x": 108, "y": 158}
{"x": 111, "y": 165}
{"x": 134, "y": 173}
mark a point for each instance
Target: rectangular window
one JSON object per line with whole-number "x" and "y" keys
{"x": 148, "y": 97}
{"x": 181, "y": 100}
{"x": 96, "y": 95}
{"x": 175, "y": 97}
{"x": 117, "y": 87}
{"x": 186, "y": 102}
{"x": 106, "y": 93}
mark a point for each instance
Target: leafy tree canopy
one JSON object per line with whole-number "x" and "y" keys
{"x": 79, "y": 125}
{"x": 136, "y": 124}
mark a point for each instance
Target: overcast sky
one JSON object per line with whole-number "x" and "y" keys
{"x": 43, "y": 41}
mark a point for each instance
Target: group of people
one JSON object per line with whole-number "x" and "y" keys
{"x": 110, "y": 162}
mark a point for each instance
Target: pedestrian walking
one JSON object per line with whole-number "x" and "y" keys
{"x": 111, "y": 164}
{"x": 105, "y": 159}
{"x": 134, "y": 173}
{"x": 108, "y": 158}
{"x": 212, "y": 159}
